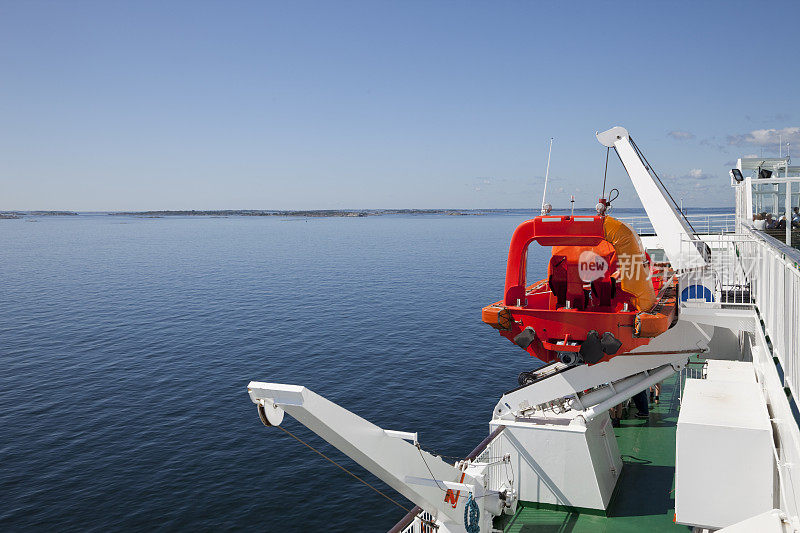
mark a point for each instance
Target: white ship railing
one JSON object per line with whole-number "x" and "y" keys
{"x": 753, "y": 270}
{"x": 498, "y": 472}
{"x": 726, "y": 276}
{"x": 775, "y": 289}
{"x": 692, "y": 370}
{"x": 418, "y": 520}
{"x": 702, "y": 223}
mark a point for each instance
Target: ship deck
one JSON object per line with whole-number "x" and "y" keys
{"x": 644, "y": 497}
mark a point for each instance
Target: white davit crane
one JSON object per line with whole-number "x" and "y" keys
{"x": 681, "y": 245}
{"x": 440, "y": 489}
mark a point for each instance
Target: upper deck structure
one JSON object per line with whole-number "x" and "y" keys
{"x": 768, "y": 186}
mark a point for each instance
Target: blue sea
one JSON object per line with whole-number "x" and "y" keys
{"x": 127, "y": 344}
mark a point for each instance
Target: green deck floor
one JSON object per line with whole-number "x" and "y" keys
{"x": 643, "y": 499}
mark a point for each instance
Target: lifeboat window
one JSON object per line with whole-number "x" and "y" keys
{"x": 657, "y": 255}
{"x": 538, "y": 260}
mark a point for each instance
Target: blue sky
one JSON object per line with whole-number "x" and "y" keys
{"x": 306, "y": 105}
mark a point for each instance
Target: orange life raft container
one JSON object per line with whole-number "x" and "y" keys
{"x": 600, "y": 298}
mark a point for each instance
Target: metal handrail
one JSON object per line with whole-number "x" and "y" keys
{"x": 702, "y": 223}
{"x": 692, "y": 370}
{"x": 418, "y": 517}
{"x": 775, "y": 287}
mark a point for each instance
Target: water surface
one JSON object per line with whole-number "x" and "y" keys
{"x": 127, "y": 345}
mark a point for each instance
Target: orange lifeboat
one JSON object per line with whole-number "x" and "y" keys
{"x": 600, "y": 299}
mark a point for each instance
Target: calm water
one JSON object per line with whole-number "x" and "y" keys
{"x": 127, "y": 344}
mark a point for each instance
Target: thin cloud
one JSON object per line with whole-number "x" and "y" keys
{"x": 496, "y": 184}
{"x": 697, "y": 187}
{"x": 697, "y": 174}
{"x": 693, "y": 176}
{"x": 766, "y": 137}
{"x": 681, "y": 135}
{"x": 713, "y": 143}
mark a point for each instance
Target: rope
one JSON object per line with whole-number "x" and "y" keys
{"x": 471, "y": 516}
{"x": 307, "y": 445}
{"x": 429, "y": 469}
{"x": 651, "y": 169}
{"x": 605, "y": 174}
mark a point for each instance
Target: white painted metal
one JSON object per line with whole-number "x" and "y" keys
{"x": 405, "y": 435}
{"x": 786, "y": 430}
{"x": 391, "y": 459}
{"x": 775, "y": 164}
{"x": 555, "y": 461}
{"x": 524, "y": 400}
{"x": 272, "y": 412}
{"x": 634, "y": 385}
{"x": 734, "y": 319}
{"x": 667, "y": 222}
{"x": 731, "y": 371}
{"x": 775, "y": 286}
{"x": 748, "y": 199}
{"x": 692, "y": 370}
{"x": 420, "y": 523}
{"x": 704, "y": 223}
{"x": 546, "y": 177}
{"x": 772, "y": 521}
{"x": 724, "y": 454}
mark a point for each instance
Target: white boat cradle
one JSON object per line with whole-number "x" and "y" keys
{"x": 552, "y": 442}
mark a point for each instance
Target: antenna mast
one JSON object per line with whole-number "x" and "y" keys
{"x": 546, "y": 175}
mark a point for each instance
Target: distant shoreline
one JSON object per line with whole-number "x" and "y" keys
{"x": 258, "y": 213}
{"x": 311, "y": 213}
{"x": 300, "y": 213}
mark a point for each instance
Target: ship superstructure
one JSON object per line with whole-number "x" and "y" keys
{"x": 723, "y": 449}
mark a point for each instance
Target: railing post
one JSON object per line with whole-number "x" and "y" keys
{"x": 788, "y": 209}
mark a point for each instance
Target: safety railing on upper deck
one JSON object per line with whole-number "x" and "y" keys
{"x": 775, "y": 289}
{"x": 692, "y": 370}
{"x": 498, "y": 472}
{"x": 416, "y": 521}
{"x": 705, "y": 224}
{"x": 751, "y": 269}
{"x": 722, "y": 279}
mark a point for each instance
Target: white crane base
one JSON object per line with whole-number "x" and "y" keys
{"x": 556, "y": 461}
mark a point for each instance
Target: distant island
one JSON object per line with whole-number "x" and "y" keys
{"x": 308, "y": 213}
{"x": 312, "y": 213}
{"x": 11, "y": 215}
{"x": 304, "y": 213}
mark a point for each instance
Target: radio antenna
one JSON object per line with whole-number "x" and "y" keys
{"x": 546, "y": 175}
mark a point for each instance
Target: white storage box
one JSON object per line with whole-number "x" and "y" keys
{"x": 724, "y": 454}
{"x": 730, "y": 371}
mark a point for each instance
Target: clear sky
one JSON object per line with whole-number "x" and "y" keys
{"x": 138, "y": 105}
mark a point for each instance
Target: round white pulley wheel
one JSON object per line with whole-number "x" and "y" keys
{"x": 270, "y": 414}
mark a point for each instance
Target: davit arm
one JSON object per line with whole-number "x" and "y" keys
{"x": 672, "y": 229}
{"x": 618, "y": 379}
{"x": 418, "y": 475}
